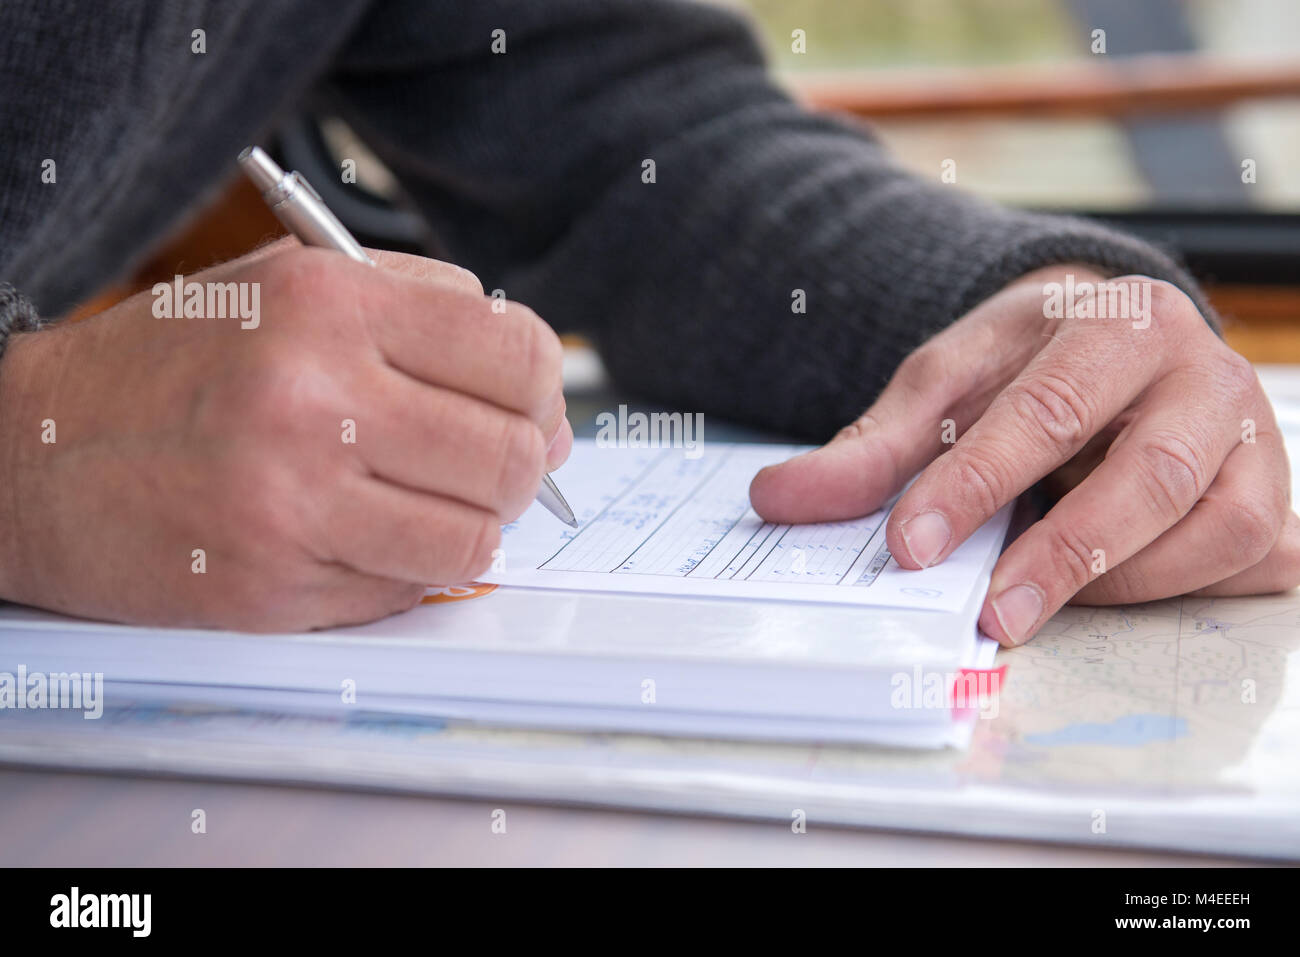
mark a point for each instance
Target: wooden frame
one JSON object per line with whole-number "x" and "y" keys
{"x": 1155, "y": 83}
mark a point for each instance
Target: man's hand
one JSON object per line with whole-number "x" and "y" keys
{"x": 366, "y": 439}
{"x": 1176, "y": 474}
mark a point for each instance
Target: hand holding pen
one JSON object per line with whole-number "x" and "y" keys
{"x": 303, "y": 213}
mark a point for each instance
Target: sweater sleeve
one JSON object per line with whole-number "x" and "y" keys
{"x": 17, "y": 314}
{"x": 630, "y": 171}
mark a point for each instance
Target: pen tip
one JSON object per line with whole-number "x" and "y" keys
{"x": 572, "y": 523}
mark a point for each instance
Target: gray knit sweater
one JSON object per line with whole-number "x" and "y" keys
{"x": 529, "y": 166}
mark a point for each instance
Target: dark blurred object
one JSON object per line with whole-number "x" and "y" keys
{"x": 374, "y": 220}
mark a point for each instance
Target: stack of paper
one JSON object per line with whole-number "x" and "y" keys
{"x": 672, "y": 609}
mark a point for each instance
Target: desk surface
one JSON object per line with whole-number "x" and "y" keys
{"x": 64, "y": 819}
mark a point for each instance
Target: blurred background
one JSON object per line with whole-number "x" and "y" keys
{"x": 1185, "y": 91}
{"x": 1178, "y": 120}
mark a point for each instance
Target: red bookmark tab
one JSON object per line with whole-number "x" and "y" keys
{"x": 975, "y": 689}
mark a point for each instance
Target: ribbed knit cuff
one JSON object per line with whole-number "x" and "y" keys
{"x": 1045, "y": 240}
{"x": 17, "y": 314}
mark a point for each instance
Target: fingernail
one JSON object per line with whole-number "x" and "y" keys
{"x": 1018, "y": 610}
{"x": 926, "y": 536}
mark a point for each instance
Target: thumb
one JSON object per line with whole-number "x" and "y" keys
{"x": 867, "y": 462}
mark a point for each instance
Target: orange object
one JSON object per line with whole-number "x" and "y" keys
{"x": 441, "y": 594}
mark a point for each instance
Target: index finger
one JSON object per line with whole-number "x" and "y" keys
{"x": 443, "y": 334}
{"x": 1068, "y": 392}
{"x": 426, "y": 269}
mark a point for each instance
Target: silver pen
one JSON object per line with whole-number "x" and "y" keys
{"x": 304, "y": 213}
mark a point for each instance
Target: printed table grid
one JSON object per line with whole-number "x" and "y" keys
{"x": 684, "y": 517}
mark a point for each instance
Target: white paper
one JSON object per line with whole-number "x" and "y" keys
{"x": 678, "y": 522}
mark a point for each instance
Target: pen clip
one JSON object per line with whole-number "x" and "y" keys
{"x": 300, "y": 180}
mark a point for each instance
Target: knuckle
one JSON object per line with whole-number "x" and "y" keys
{"x": 1171, "y": 303}
{"x": 481, "y": 540}
{"x": 535, "y": 351}
{"x": 546, "y": 355}
{"x": 978, "y": 480}
{"x": 921, "y": 367}
{"x": 1250, "y": 527}
{"x": 1125, "y": 582}
{"x": 283, "y": 393}
{"x": 1055, "y": 407}
{"x": 1286, "y": 556}
{"x": 1235, "y": 379}
{"x": 1171, "y": 474}
{"x": 520, "y": 463}
{"x": 855, "y": 431}
{"x": 867, "y": 429}
{"x": 302, "y": 274}
{"x": 1070, "y": 557}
